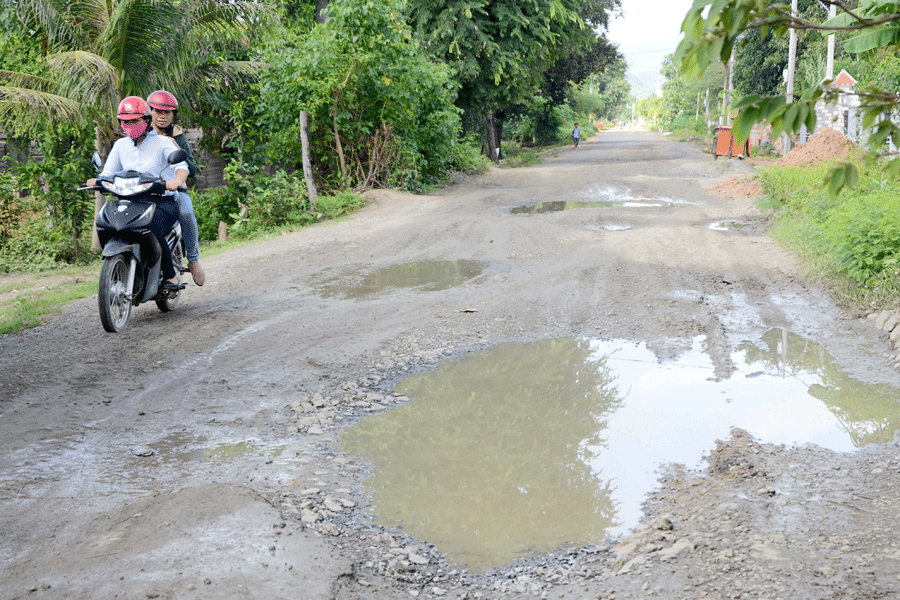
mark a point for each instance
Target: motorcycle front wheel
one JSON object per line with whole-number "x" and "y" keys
{"x": 170, "y": 301}
{"x": 115, "y": 305}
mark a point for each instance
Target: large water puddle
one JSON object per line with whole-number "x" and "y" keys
{"x": 525, "y": 448}
{"x": 427, "y": 276}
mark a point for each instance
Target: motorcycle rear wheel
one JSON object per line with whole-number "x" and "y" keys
{"x": 114, "y": 303}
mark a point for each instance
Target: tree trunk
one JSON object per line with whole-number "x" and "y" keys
{"x": 493, "y": 146}
{"x": 321, "y": 11}
{"x": 307, "y": 164}
{"x": 338, "y": 146}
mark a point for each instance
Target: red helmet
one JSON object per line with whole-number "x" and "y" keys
{"x": 162, "y": 100}
{"x": 132, "y": 107}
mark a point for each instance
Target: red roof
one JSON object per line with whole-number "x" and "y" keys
{"x": 842, "y": 79}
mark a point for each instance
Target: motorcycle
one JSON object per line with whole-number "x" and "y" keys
{"x": 131, "y": 272}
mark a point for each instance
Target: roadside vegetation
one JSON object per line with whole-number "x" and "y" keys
{"x": 394, "y": 93}
{"x": 851, "y": 241}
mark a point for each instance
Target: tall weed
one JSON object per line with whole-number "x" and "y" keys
{"x": 852, "y": 240}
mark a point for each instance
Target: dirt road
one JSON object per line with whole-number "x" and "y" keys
{"x": 194, "y": 455}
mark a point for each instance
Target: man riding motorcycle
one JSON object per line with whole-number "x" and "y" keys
{"x": 148, "y": 154}
{"x": 164, "y": 113}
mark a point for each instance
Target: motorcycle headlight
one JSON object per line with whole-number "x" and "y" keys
{"x": 127, "y": 186}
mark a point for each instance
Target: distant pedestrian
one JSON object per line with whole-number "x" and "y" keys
{"x": 576, "y": 134}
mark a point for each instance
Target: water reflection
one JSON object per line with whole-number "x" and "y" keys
{"x": 868, "y": 413}
{"x": 426, "y": 276}
{"x": 560, "y": 205}
{"x": 524, "y": 448}
{"x": 491, "y": 460}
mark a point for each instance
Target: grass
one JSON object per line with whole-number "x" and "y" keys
{"x": 848, "y": 243}
{"x": 27, "y": 300}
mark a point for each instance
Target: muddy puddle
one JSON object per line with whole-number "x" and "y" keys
{"x": 187, "y": 448}
{"x": 727, "y": 226}
{"x": 559, "y": 205}
{"x": 597, "y": 197}
{"x": 359, "y": 281}
{"x": 524, "y": 448}
{"x": 611, "y": 227}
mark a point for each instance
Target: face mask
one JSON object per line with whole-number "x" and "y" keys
{"x": 135, "y": 130}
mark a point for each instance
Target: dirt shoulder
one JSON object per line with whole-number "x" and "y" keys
{"x": 195, "y": 455}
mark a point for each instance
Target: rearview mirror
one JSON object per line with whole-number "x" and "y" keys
{"x": 177, "y": 156}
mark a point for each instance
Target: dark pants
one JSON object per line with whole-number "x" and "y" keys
{"x": 164, "y": 219}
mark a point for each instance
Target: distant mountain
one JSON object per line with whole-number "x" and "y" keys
{"x": 645, "y": 59}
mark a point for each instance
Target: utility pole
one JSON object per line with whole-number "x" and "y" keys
{"x": 792, "y": 59}
{"x": 725, "y": 119}
{"x": 829, "y": 64}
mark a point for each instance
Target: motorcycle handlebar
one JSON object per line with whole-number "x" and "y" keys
{"x": 181, "y": 188}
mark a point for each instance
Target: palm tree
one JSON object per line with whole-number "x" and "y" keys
{"x": 99, "y": 51}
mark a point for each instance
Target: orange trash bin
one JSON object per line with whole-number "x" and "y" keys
{"x": 723, "y": 141}
{"x": 725, "y": 144}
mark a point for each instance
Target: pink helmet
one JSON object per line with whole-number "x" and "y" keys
{"x": 162, "y": 100}
{"x": 132, "y": 107}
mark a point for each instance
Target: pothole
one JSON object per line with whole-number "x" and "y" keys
{"x": 609, "y": 197}
{"x": 728, "y": 225}
{"x": 611, "y": 227}
{"x": 187, "y": 448}
{"x": 524, "y": 448}
{"x": 427, "y": 276}
{"x": 559, "y": 205}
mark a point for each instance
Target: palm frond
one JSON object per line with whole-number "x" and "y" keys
{"x": 217, "y": 19}
{"x": 94, "y": 19}
{"x": 45, "y": 16}
{"x": 25, "y": 106}
{"x": 235, "y": 69}
{"x": 26, "y": 80}
{"x": 138, "y": 39}
{"x": 86, "y": 78}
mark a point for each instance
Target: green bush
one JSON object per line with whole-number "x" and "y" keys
{"x": 340, "y": 204}
{"x": 380, "y": 112}
{"x": 253, "y": 202}
{"x": 36, "y": 247}
{"x": 853, "y": 237}
{"x": 466, "y": 156}
{"x": 12, "y": 208}
{"x": 212, "y": 206}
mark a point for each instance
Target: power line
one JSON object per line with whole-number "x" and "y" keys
{"x": 649, "y": 51}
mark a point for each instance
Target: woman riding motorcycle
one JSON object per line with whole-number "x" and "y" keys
{"x": 147, "y": 154}
{"x": 164, "y": 112}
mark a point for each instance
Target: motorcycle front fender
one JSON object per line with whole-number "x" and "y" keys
{"x": 120, "y": 246}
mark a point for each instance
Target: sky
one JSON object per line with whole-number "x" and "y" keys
{"x": 647, "y": 21}
{"x": 649, "y": 30}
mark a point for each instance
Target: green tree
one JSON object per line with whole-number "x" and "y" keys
{"x": 500, "y": 50}
{"x": 650, "y": 109}
{"x": 761, "y": 57}
{"x": 381, "y": 113}
{"x": 604, "y": 94}
{"x": 689, "y": 103}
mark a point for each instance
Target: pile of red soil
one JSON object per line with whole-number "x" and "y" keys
{"x": 828, "y": 145}
{"x": 746, "y": 186}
